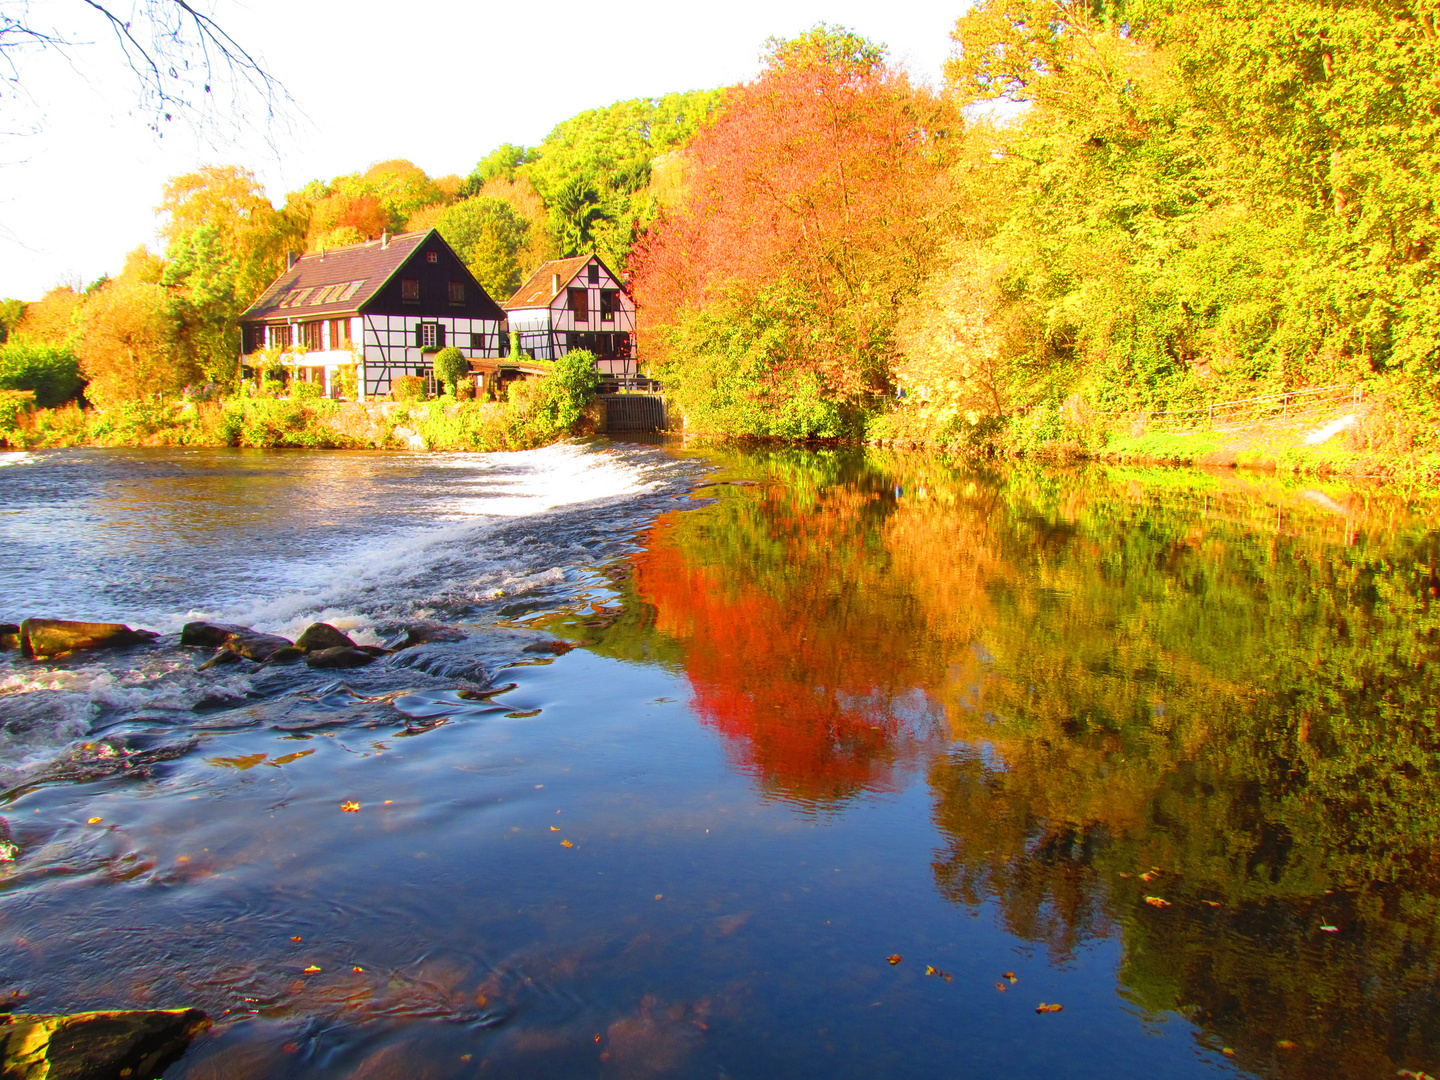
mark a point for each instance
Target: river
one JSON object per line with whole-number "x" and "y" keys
{"x": 780, "y": 763}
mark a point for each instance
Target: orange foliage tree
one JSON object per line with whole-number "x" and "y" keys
{"x": 803, "y": 224}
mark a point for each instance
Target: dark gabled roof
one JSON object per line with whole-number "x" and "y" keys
{"x": 346, "y": 277}
{"x": 537, "y": 291}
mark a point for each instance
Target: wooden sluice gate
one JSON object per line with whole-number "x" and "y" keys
{"x": 633, "y": 412}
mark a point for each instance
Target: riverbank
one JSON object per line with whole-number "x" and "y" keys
{"x": 1383, "y": 438}
{"x": 528, "y": 419}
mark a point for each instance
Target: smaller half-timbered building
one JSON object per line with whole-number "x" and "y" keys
{"x": 385, "y": 307}
{"x": 575, "y": 303}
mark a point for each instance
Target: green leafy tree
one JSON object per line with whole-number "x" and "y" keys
{"x": 52, "y": 372}
{"x": 489, "y": 236}
{"x": 12, "y": 313}
{"x": 500, "y": 162}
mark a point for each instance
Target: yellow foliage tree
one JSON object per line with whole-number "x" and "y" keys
{"x": 252, "y": 232}
{"x": 54, "y": 318}
{"x": 522, "y": 197}
{"x": 132, "y": 346}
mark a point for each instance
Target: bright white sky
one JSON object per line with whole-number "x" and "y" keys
{"x": 440, "y": 82}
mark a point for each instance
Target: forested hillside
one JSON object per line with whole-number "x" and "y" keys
{"x": 1108, "y": 205}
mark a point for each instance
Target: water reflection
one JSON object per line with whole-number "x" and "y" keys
{"x": 1199, "y": 714}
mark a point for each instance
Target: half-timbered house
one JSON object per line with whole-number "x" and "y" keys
{"x": 385, "y": 307}
{"x": 575, "y": 303}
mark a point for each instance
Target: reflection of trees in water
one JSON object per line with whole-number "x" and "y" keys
{"x": 1225, "y": 684}
{"x": 795, "y": 642}
{"x": 1250, "y": 717}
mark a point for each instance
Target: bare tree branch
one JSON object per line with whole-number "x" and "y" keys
{"x": 178, "y": 54}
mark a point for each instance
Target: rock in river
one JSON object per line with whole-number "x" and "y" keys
{"x": 96, "y": 1045}
{"x": 210, "y": 635}
{"x": 253, "y": 645}
{"x": 9, "y": 636}
{"x": 342, "y": 657}
{"x": 322, "y": 635}
{"x": 52, "y": 637}
{"x": 425, "y": 633}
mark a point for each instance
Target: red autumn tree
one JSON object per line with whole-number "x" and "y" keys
{"x": 802, "y": 225}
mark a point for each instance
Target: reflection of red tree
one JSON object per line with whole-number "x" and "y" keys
{"x": 801, "y": 685}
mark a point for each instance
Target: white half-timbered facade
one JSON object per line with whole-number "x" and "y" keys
{"x": 373, "y": 312}
{"x": 576, "y": 303}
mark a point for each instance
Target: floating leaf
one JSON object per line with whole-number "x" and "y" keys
{"x": 296, "y": 937}
{"x": 1211, "y": 903}
{"x": 1155, "y": 901}
{"x": 311, "y": 970}
{"x": 1010, "y": 975}
{"x": 554, "y": 828}
{"x": 1001, "y": 987}
{"x": 249, "y": 761}
{"x": 1285, "y": 1044}
{"x": 357, "y": 969}
{"x": 93, "y": 821}
{"x": 1227, "y": 1051}
{"x": 1043, "y": 1008}
{"x": 350, "y": 806}
{"x": 1329, "y": 929}
{"x": 893, "y": 960}
{"x": 1147, "y": 877}
{"x": 566, "y": 843}
{"x": 936, "y": 971}
{"x": 285, "y": 759}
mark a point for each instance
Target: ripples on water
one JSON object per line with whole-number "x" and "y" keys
{"x": 1158, "y": 747}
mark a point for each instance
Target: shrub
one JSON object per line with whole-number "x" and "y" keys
{"x": 568, "y": 389}
{"x": 306, "y": 391}
{"x": 450, "y": 367}
{"x": 52, "y": 372}
{"x": 13, "y": 405}
{"x": 408, "y": 388}
{"x": 345, "y": 381}
{"x": 232, "y": 424}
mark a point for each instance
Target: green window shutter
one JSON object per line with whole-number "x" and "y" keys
{"x": 440, "y": 335}
{"x": 419, "y": 336}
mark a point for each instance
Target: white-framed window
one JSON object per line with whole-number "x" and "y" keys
{"x": 429, "y": 335}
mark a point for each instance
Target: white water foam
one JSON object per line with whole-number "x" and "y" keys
{"x": 15, "y": 457}
{"x": 336, "y": 588}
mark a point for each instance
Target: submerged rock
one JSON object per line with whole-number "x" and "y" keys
{"x": 291, "y": 654}
{"x": 107, "y": 757}
{"x": 220, "y": 659}
{"x": 52, "y": 637}
{"x": 253, "y": 645}
{"x": 425, "y": 634}
{"x": 322, "y": 635}
{"x": 210, "y": 635}
{"x": 96, "y": 1045}
{"x": 341, "y": 657}
{"x": 554, "y": 647}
